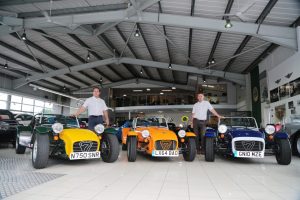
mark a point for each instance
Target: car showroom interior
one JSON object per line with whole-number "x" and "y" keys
{"x": 149, "y": 99}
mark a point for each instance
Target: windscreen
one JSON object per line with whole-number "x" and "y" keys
{"x": 146, "y": 122}
{"x": 246, "y": 122}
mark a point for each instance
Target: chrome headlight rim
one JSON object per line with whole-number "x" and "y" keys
{"x": 99, "y": 128}
{"x": 270, "y": 129}
{"x": 57, "y": 128}
{"x": 222, "y": 128}
{"x": 145, "y": 133}
{"x": 182, "y": 133}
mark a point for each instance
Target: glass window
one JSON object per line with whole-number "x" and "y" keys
{"x": 48, "y": 105}
{"x": 2, "y": 105}
{"x": 3, "y": 96}
{"x": 16, "y": 99}
{"x": 27, "y": 108}
{"x": 15, "y": 106}
{"x": 27, "y": 101}
{"x": 39, "y": 103}
{"x": 38, "y": 109}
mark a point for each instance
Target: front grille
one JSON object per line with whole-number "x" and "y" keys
{"x": 165, "y": 145}
{"x": 85, "y": 146}
{"x": 248, "y": 145}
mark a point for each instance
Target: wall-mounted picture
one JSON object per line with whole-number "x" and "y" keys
{"x": 284, "y": 91}
{"x": 263, "y": 90}
{"x": 295, "y": 87}
{"x": 274, "y": 96}
{"x": 291, "y": 104}
{"x": 280, "y": 113}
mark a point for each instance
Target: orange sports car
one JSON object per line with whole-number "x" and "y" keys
{"x": 152, "y": 136}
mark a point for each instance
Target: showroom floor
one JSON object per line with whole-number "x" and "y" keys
{"x": 148, "y": 178}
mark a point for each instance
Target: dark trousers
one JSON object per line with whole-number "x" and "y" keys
{"x": 199, "y": 129}
{"x": 94, "y": 120}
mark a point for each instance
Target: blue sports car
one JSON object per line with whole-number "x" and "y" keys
{"x": 240, "y": 137}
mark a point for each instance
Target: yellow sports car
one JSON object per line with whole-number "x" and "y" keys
{"x": 152, "y": 136}
{"x": 58, "y": 135}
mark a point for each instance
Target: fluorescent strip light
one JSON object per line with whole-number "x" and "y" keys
{"x": 166, "y": 90}
{"x": 137, "y": 90}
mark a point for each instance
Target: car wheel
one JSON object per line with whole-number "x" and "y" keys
{"x": 297, "y": 145}
{"x": 124, "y": 147}
{"x": 40, "y": 151}
{"x": 131, "y": 148}
{"x": 19, "y": 148}
{"x": 209, "y": 150}
{"x": 109, "y": 146}
{"x": 190, "y": 152}
{"x": 284, "y": 153}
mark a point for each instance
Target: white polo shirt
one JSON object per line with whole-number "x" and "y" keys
{"x": 95, "y": 106}
{"x": 200, "y": 110}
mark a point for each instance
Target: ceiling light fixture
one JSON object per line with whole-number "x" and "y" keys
{"x": 124, "y": 95}
{"x": 204, "y": 79}
{"x": 173, "y": 88}
{"x": 88, "y": 57}
{"x": 101, "y": 80}
{"x": 137, "y": 90}
{"x": 212, "y": 61}
{"x": 5, "y": 65}
{"x": 141, "y": 71}
{"x": 228, "y": 23}
{"x": 161, "y": 93}
{"x": 170, "y": 66}
{"x": 148, "y": 89}
{"x": 137, "y": 33}
{"x": 23, "y": 37}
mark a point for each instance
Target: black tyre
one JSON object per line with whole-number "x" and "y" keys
{"x": 131, "y": 148}
{"x": 296, "y": 145}
{"x": 109, "y": 148}
{"x": 284, "y": 153}
{"x": 209, "y": 150}
{"x": 19, "y": 148}
{"x": 40, "y": 151}
{"x": 124, "y": 147}
{"x": 190, "y": 153}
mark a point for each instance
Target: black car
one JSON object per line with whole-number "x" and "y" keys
{"x": 8, "y": 127}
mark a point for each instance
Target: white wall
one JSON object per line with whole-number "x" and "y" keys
{"x": 277, "y": 65}
{"x": 243, "y": 96}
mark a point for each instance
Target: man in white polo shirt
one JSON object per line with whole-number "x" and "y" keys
{"x": 199, "y": 115}
{"x": 96, "y": 109}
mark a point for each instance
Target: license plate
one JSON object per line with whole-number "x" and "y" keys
{"x": 165, "y": 153}
{"x": 84, "y": 155}
{"x": 249, "y": 154}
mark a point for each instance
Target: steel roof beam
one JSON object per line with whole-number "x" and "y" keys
{"x": 147, "y": 73}
{"x": 148, "y": 48}
{"x": 259, "y": 20}
{"x": 233, "y": 77}
{"x": 143, "y": 80}
{"x": 167, "y": 42}
{"x": 116, "y": 53}
{"x": 284, "y": 36}
{"x": 218, "y": 36}
{"x": 62, "y": 61}
{"x": 266, "y": 52}
{"x": 79, "y": 41}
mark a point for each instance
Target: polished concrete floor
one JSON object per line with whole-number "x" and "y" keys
{"x": 150, "y": 178}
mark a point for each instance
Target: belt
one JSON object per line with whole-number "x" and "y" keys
{"x": 95, "y": 116}
{"x": 201, "y": 120}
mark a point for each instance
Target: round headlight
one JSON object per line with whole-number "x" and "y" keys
{"x": 57, "y": 128}
{"x": 270, "y": 129}
{"x": 145, "y": 133}
{"x": 99, "y": 128}
{"x": 181, "y": 133}
{"x": 222, "y": 128}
